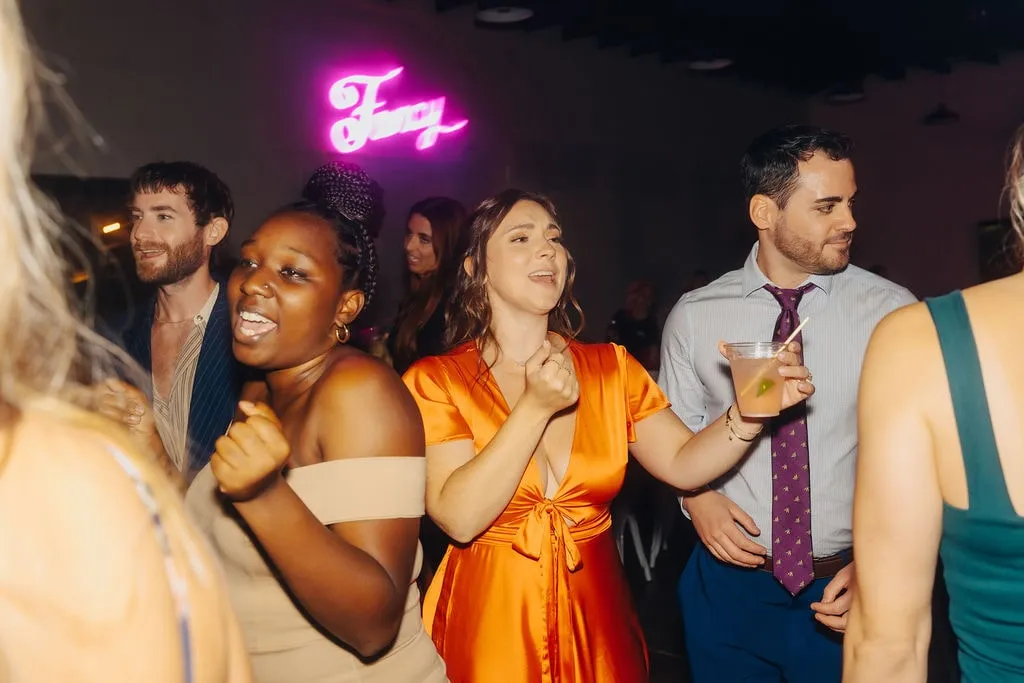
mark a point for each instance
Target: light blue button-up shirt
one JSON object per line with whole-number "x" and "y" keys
{"x": 843, "y": 310}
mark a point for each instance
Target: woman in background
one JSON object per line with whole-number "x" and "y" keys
{"x": 314, "y": 496}
{"x": 432, "y": 241}
{"x": 527, "y": 433}
{"x": 102, "y": 577}
{"x": 941, "y": 465}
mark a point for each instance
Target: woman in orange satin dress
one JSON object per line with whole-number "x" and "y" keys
{"x": 527, "y": 437}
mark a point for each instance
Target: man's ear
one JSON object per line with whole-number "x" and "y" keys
{"x": 764, "y": 212}
{"x": 215, "y": 231}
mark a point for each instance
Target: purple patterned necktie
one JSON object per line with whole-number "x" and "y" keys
{"x": 791, "y": 479}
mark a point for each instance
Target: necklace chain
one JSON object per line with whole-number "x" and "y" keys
{"x": 522, "y": 364}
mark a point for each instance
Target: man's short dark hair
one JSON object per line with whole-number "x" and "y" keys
{"x": 207, "y": 195}
{"x": 769, "y": 166}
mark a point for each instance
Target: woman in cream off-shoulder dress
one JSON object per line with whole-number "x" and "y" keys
{"x": 313, "y": 497}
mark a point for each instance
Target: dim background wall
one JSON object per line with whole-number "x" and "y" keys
{"x": 640, "y": 157}
{"x": 925, "y": 188}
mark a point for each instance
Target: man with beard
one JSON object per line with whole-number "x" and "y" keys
{"x": 775, "y": 565}
{"x": 180, "y": 212}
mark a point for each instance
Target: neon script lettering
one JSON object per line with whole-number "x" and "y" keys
{"x": 368, "y": 120}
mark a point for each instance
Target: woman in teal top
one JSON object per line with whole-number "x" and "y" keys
{"x": 941, "y": 469}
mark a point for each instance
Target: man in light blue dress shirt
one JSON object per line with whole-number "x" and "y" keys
{"x": 741, "y": 623}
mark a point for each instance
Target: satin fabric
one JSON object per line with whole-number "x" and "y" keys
{"x": 540, "y": 596}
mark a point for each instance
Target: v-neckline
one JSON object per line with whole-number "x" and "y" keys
{"x": 534, "y": 464}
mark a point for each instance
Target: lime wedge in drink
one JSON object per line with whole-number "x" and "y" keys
{"x": 764, "y": 387}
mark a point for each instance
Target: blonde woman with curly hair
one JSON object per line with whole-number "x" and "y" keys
{"x": 941, "y": 470}
{"x": 101, "y": 576}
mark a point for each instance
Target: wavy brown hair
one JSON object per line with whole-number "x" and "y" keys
{"x": 447, "y": 218}
{"x": 470, "y": 319}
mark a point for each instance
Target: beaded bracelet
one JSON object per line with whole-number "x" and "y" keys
{"x": 731, "y": 424}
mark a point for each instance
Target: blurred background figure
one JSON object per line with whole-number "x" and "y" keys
{"x": 636, "y": 326}
{"x": 103, "y": 575}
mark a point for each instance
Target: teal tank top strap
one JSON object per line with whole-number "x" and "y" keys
{"x": 986, "y": 486}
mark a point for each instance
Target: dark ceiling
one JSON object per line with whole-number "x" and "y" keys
{"x": 804, "y": 46}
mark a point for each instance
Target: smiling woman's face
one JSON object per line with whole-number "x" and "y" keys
{"x": 286, "y": 293}
{"x": 420, "y": 256}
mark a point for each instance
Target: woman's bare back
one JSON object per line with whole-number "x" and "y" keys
{"x": 999, "y": 334}
{"x": 88, "y": 596}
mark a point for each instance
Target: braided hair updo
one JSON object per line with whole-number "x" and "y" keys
{"x": 351, "y": 202}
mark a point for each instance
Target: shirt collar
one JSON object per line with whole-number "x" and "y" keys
{"x": 754, "y": 279}
{"x": 203, "y": 316}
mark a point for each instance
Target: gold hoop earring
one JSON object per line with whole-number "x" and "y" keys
{"x": 342, "y": 333}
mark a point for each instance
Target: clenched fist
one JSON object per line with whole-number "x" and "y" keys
{"x": 250, "y": 457}
{"x": 551, "y": 380}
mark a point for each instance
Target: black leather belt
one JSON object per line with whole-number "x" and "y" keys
{"x": 824, "y": 567}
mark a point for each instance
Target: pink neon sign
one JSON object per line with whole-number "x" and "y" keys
{"x": 368, "y": 121}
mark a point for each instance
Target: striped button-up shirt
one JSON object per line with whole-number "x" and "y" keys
{"x": 843, "y": 310}
{"x": 171, "y": 412}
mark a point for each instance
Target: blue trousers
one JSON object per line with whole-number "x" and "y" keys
{"x": 743, "y": 626}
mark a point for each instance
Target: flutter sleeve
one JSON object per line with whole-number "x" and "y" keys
{"x": 429, "y": 383}
{"x": 643, "y": 396}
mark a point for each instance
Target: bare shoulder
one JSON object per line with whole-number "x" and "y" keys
{"x": 363, "y": 402}
{"x": 69, "y": 503}
{"x": 904, "y": 353}
{"x": 362, "y": 378}
{"x": 903, "y": 333}
{"x": 909, "y": 320}
{"x": 67, "y": 455}
{"x": 66, "y": 499}
{"x": 992, "y": 299}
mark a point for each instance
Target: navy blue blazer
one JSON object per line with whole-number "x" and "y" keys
{"x": 219, "y": 377}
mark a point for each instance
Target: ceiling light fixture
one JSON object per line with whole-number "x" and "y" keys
{"x": 502, "y": 13}
{"x": 845, "y": 93}
{"x": 940, "y": 116}
{"x": 715, "y": 64}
